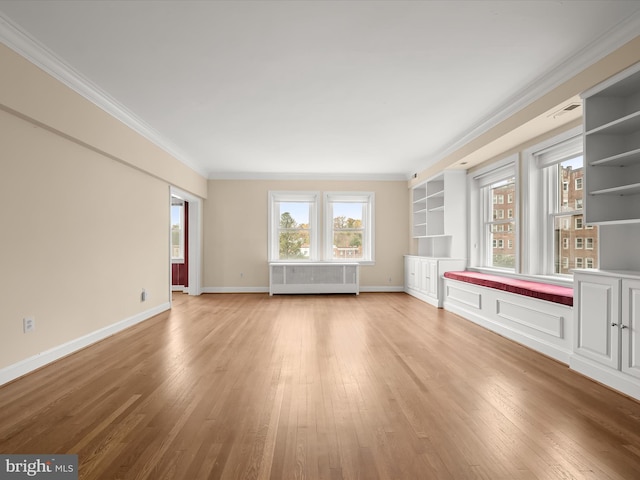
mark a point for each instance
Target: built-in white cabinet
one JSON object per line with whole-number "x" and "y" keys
{"x": 612, "y": 149}
{"x": 423, "y": 276}
{"x": 607, "y": 328}
{"x": 439, "y": 225}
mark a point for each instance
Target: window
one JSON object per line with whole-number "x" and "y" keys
{"x": 588, "y": 243}
{"x": 349, "y": 226}
{"x": 293, "y": 226}
{"x": 560, "y": 168}
{"x": 565, "y": 263}
{"x": 579, "y": 263}
{"x": 588, "y": 262}
{"x": 493, "y": 230}
{"x": 510, "y": 198}
{"x": 177, "y": 230}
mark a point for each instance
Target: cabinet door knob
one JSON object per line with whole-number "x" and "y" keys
{"x": 614, "y": 324}
{"x": 623, "y": 326}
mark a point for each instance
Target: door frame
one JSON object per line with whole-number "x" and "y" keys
{"x": 195, "y": 240}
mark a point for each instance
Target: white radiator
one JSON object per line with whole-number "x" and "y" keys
{"x": 314, "y": 278}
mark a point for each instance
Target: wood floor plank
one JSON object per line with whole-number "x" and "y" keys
{"x": 375, "y": 386}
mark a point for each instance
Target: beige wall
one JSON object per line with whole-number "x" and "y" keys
{"x": 85, "y": 217}
{"x": 82, "y": 234}
{"x": 31, "y": 93}
{"x": 236, "y": 226}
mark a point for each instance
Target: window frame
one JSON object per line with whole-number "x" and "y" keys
{"x": 543, "y": 190}
{"x": 480, "y": 224}
{"x": 277, "y": 197}
{"x": 368, "y": 228}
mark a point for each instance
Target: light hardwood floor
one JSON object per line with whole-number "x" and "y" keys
{"x": 319, "y": 387}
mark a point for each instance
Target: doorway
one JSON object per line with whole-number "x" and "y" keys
{"x": 185, "y": 247}
{"x": 179, "y": 244}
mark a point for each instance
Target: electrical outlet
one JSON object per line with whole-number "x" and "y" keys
{"x": 28, "y": 324}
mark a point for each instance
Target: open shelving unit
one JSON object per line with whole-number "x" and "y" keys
{"x": 612, "y": 149}
{"x": 439, "y": 222}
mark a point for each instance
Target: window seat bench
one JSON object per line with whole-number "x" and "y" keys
{"x": 542, "y": 291}
{"x": 535, "y": 314}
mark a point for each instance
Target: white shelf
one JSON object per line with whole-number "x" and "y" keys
{"x": 625, "y": 159}
{"x": 620, "y": 126}
{"x": 436, "y": 194}
{"x": 612, "y": 139}
{"x": 633, "y": 189}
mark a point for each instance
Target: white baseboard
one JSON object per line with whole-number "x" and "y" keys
{"x": 382, "y": 289}
{"x": 235, "y": 289}
{"x": 30, "y": 364}
{"x": 612, "y": 378}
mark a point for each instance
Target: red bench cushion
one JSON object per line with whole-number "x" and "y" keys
{"x": 543, "y": 291}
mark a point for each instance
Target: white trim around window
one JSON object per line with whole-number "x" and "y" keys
{"x": 306, "y": 225}
{"x": 486, "y": 217}
{"x": 351, "y": 239}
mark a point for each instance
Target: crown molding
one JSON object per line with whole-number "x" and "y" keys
{"x": 348, "y": 177}
{"x": 18, "y": 40}
{"x": 602, "y": 46}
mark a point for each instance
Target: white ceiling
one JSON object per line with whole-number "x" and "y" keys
{"x": 362, "y": 88}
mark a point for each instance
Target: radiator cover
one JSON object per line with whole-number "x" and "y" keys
{"x": 313, "y": 278}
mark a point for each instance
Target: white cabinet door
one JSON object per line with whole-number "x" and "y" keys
{"x": 434, "y": 278}
{"x": 630, "y": 327}
{"x": 412, "y": 267}
{"x": 425, "y": 276}
{"x": 597, "y": 334}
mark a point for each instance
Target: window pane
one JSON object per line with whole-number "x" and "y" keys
{"x": 348, "y": 230}
{"x": 570, "y": 244}
{"x": 500, "y": 224}
{"x": 294, "y": 234}
{"x": 298, "y": 212}
{"x": 294, "y": 245}
{"x": 502, "y": 241}
{"x": 570, "y": 174}
{"x": 347, "y": 245}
